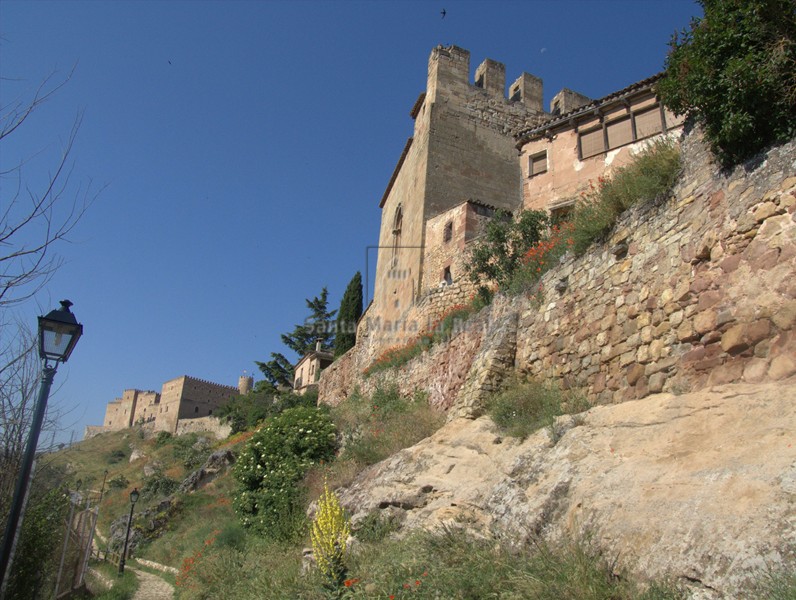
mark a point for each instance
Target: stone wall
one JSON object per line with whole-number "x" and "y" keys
{"x": 204, "y": 424}
{"x": 696, "y": 290}
{"x": 704, "y": 294}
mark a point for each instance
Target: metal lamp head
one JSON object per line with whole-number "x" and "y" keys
{"x": 58, "y": 333}
{"x": 134, "y": 496}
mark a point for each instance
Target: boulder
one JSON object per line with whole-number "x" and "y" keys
{"x": 700, "y": 487}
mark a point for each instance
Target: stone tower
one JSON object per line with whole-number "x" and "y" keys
{"x": 461, "y": 149}
{"x": 245, "y": 384}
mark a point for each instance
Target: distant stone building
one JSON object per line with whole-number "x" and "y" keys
{"x": 188, "y": 398}
{"x": 179, "y": 399}
{"x": 134, "y": 407}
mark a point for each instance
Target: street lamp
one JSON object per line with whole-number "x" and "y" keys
{"x": 58, "y": 335}
{"x": 133, "y": 500}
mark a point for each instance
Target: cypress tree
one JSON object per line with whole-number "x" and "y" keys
{"x": 348, "y": 315}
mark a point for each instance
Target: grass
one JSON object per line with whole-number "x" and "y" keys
{"x": 124, "y": 586}
{"x": 372, "y": 429}
{"x": 777, "y": 585}
{"x": 525, "y": 407}
{"x": 451, "y": 565}
{"x": 650, "y": 176}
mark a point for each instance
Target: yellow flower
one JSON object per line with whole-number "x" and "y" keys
{"x": 330, "y": 531}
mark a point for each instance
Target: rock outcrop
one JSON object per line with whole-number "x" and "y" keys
{"x": 701, "y": 487}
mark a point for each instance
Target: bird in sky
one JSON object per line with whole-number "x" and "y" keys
{"x": 443, "y": 12}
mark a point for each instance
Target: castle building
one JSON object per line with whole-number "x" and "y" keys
{"x": 476, "y": 150}
{"x": 459, "y": 166}
{"x": 179, "y": 399}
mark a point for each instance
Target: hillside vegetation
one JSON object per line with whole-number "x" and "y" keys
{"x": 218, "y": 556}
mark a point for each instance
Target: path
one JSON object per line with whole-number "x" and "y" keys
{"x": 151, "y": 587}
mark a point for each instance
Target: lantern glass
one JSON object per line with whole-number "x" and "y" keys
{"x": 58, "y": 333}
{"x": 134, "y": 496}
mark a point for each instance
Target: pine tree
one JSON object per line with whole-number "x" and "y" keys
{"x": 348, "y": 315}
{"x": 318, "y": 327}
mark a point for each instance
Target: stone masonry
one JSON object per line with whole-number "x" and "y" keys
{"x": 696, "y": 290}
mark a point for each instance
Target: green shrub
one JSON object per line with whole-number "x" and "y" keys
{"x": 523, "y": 408}
{"x": 158, "y": 485}
{"x": 375, "y": 428}
{"x": 275, "y": 459}
{"x": 32, "y": 573}
{"x": 187, "y": 449}
{"x": 162, "y": 438}
{"x": 118, "y": 482}
{"x": 498, "y": 253}
{"x": 650, "y": 176}
{"x": 375, "y": 527}
{"x": 116, "y": 456}
{"x": 232, "y": 535}
{"x": 540, "y": 258}
{"x": 735, "y": 72}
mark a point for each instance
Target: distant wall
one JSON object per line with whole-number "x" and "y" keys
{"x": 204, "y": 424}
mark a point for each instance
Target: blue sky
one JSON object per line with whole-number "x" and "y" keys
{"x": 242, "y": 149}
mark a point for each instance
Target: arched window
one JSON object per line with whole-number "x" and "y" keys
{"x": 397, "y": 224}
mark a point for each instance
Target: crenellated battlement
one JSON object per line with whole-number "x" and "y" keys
{"x": 449, "y": 77}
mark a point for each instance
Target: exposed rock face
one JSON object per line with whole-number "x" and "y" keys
{"x": 215, "y": 464}
{"x": 700, "y": 486}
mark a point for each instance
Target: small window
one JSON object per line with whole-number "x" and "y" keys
{"x": 479, "y": 82}
{"x": 619, "y": 133}
{"x": 516, "y": 94}
{"x": 592, "y": 143}
{"x": 446, "y": 276}
{"x": 648, "y": 123}
{"x": 211, "y": 412}
{"x": 556, "y": 109}
{"x": 195, "y": 409}
{"x": 447, "y": 234}
{"x": 537, "y": 164}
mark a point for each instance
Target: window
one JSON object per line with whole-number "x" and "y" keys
{"x": 556, "y": 109}
{"x": 195, "y": 409}
{"x": 479, "y": 82}
{"x": 446, "y": 276}
{"x": 447, "y": 234}
{"x": 648, "y": 122}
{"x": 397, "y": 224}
{"x": 592, "y": 143}
{"x": 622, "y": 131}
{"x": 516, "y": 94}
{"x": 537, "y": 163}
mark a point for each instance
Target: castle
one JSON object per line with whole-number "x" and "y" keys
{"x": 180, "y": 399}
{"x": 475, "y": 150}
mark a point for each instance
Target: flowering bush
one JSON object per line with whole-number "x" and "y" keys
{"x": 273, "y": 462}
{"x": 540, "y": 258}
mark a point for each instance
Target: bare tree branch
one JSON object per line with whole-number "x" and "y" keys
{"x": 33, "y": 221}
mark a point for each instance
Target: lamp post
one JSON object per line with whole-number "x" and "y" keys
{"x": 58, "y": 334}
{"x": 133, "y": 500}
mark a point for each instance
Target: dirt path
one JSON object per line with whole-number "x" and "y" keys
{"x": 152, "y": 587}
